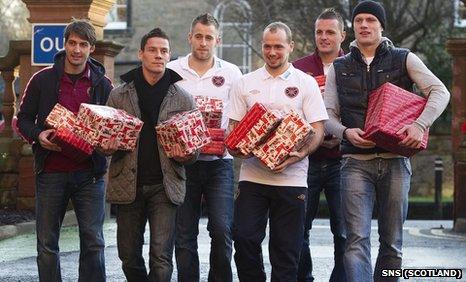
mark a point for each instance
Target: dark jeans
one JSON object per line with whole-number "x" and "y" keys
{"x": 153, "y": 205}
{"x": 214, "y": 180}
{"x": 387, "y": 182}
{"x": 87, "y": 193}
{"x": 324, "y": 175}
{"x": 255, "y": 204}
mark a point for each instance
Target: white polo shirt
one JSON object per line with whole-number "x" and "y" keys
{"x": 292, "y": 90}
{"x": 216, "y": 82}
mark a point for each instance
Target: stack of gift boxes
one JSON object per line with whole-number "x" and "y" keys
{"x": 93, "y": 126}
{"x": 268, "y": 135}
{"x": 389, "y": 109}
{"x": 321, "y": 82}
{"x": 212, "y": 112}
{"x": 186, "y": 130}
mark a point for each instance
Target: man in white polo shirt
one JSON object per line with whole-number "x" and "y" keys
{"x": 205, "y": 74}
{"x": 279, "y": 194}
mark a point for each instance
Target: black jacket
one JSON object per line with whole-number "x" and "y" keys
{"x": 355, "y": 81}
{"x": 40, "y": 97}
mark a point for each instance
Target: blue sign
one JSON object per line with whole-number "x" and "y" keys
{"x": 47, "y": 40}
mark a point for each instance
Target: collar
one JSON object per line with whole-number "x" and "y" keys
{"x": 185, "y": 64}
{"x": 284, "y": 76}
{"x": 86, "y": 74}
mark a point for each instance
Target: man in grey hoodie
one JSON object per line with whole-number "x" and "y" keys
{"x": 146, "y": 184}
{"x": 368, "y": 172}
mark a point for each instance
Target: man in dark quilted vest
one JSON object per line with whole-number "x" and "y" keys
{"x": 369, "y": 173}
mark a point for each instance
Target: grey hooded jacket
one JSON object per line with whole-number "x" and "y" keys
{"x": 123, "y": 169}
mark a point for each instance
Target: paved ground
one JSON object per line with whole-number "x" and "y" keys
{"x": 428, "y": 244}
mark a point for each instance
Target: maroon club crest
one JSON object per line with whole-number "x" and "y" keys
{"x": 292, "y": 91}
{"x": 218, "y": 80}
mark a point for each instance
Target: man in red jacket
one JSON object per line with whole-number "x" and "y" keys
{"x": 324, "y": 164}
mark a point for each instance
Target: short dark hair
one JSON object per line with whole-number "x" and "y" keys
{"x": 205, "y": 19}
{"x": 82, "y": 28}
{"x": 332, "y": 14}
{"x": 156, "y": 32}
{"x": 273, "y": 27}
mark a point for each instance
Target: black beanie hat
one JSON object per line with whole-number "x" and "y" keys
{"x": 370, "y": 7}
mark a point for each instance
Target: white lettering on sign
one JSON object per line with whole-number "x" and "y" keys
{"x": 47, "y": 44}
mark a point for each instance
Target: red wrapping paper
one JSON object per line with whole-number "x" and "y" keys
{"x": 211, "y": 109}
{"x": 259, "y": 132}
{"x": 72, "y": 146}
{"x": 321, "y": 82}
{"x": 256, "y": 117}
{"x": 100, "y": 124}
{"x": 389, "y": 109}
{"x": 61, "y": 117}
{"x": 216, "y": 147}
{"x": 291, "y": 131}
{"x": 187, "y": 129}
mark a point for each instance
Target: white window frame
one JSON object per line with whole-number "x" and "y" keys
{"x": 112, "y": 14}
{"x": 458, "y": 21}
{"x": 245, "y": 8}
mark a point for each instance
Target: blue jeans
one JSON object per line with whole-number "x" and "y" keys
{"x": 285, "y": 206}
{"x": 387, "y": 182}
{"x": 87, "y": 193}
{"x": 151, "y": 204}
{"x": 213, "y": 180}
{"x": 324, "y": 175}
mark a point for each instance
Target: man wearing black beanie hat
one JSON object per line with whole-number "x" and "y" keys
{"x": 369, "y": 172}
{"x": 373, "y": 8}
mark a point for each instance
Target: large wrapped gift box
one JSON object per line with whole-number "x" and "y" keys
{"x": 253, "y": 129}
{"x": 389, "y": 109}
{"x": 216, "y": 146}
{"x": 61, "y": 117}
{"x": 292, "y": 130}
{"x": 72, "y": 146}
{"x": 211, "y": 109}
{"x": 100, "y": 124}
{"x": 187, "y": 129}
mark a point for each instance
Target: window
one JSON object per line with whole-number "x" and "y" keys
{"x": 235, "y": 25}
{"x": 460, "y": 13}
{"x": 118, "y": 16}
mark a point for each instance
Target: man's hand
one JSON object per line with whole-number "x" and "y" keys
{"x": 330, "y": 143}
{"x": 292, "y": 158}
{"x": 354, "y": 135}
{"x": 413, "y": 138}
{"x": 238, "y": 154}
{"x": 108, "y": 148}
{"x": 45, "y": 142}
{"x": 179, "y": 155}
{"x": 296, "y": 155}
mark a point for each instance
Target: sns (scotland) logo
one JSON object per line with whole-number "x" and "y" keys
{"x": 292, "y": 91}
{"x": 218, "y": 80}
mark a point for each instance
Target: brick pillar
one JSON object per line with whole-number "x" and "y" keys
{"x": 457, "y": 48}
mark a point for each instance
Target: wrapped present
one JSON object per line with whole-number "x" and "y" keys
{"x": 72, "y": 146}
{"x": 259, "y": 132}
{"x": 214, "y": 148}
{"x": 389, "y": 109}
{"x": 100, "y": 124}
{"x": 252, "y": 129}
{"x": 60, "y": 117}
{"x": 211, "y": 109}
{"x": 217, "y": 134}
{"x": 321, "y": 82}
{"x": 292, "y": 130}
{"x": 187, "y": 129}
